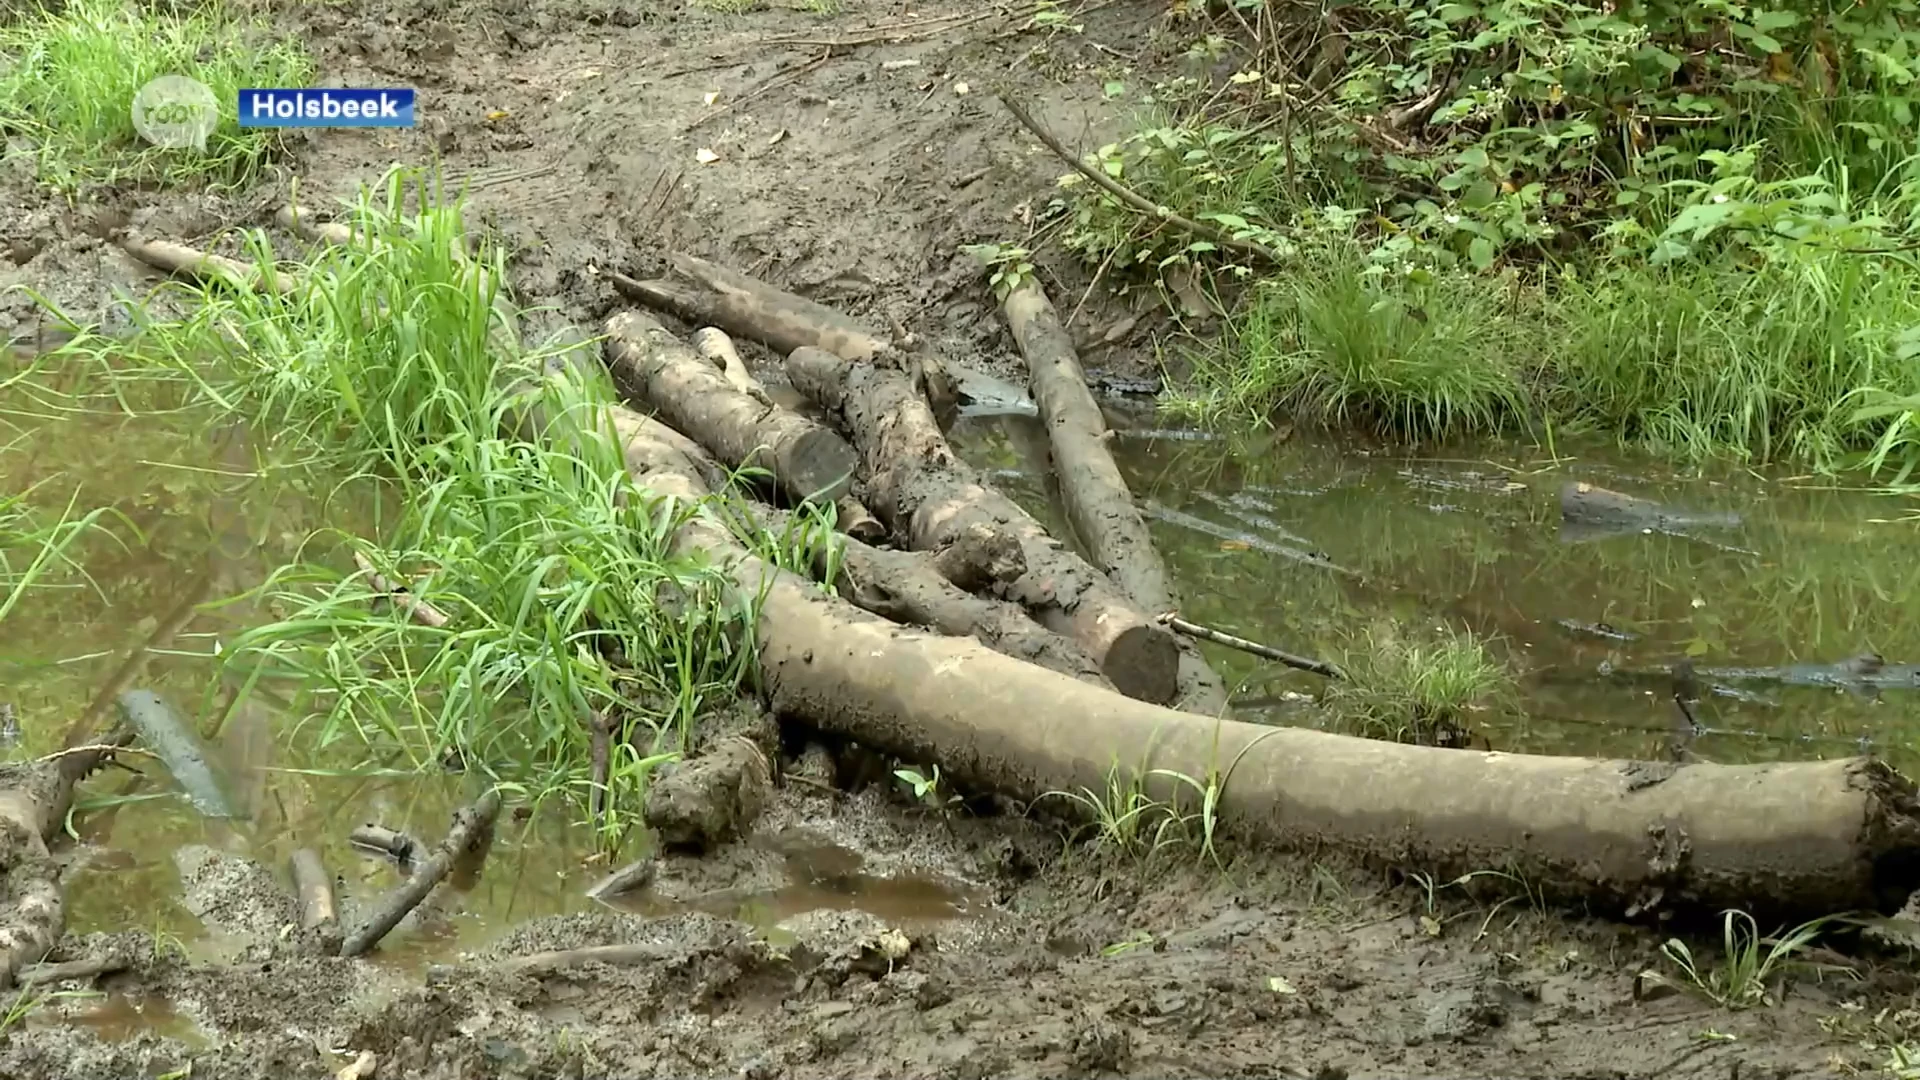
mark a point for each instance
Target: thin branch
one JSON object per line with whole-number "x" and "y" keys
{"x": 1128, "y": 195}
{"x": 1268, "y": 652}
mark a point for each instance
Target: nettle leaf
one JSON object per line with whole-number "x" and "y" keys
{"x": 1480, "y": 253}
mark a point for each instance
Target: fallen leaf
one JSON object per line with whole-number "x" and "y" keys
{"x": 777, "y": 136}
{"x": 705, "y": 156}
{"x": 1235, "y": 545}
{"x": 497, "y": 115}
{"x": 962, "y": 88}
{"x": 712, "y": 96}
{"x": 1280, "y": 986}
{"x": 362, "y": 1067}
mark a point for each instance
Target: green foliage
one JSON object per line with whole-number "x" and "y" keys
{"x": 69, "y": 72}
{"x": 1417, "y": 687}
{"x": 1685, "y": 222}
{"x": 1750, "y": 965}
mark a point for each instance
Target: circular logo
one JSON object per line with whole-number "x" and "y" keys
{"x": 176, "y": 113}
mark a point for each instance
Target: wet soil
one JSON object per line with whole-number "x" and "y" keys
{"x": 852, "y": 173}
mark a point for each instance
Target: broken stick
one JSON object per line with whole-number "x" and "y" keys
{"x": 471, "y": 826}
{"x": 1099, "y": 507}
{"x": 172, "y": 258}
{"x": 314, "y": 888}
{"x": 542, "y": 962}
{"x": 921, "y": 488}
{"x": 400, "y": 596}
{"x": 1265, "y": 652}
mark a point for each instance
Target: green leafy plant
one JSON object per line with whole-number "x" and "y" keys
{"x": 1750, "y": 966}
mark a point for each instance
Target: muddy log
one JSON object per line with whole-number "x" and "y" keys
{"x": 1099, "y": 507}
{"x": 810, "y": 462}
{"x": 852, "y": 518}
{"x": 1782, "y": 840}
{"x": 908, "y": 588}
{"x": 932, "y": 499}
{"x": 35, "y": 797}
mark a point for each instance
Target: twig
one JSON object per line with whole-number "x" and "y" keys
{"x": 400, "y": 596}
{"x": 601, "y": 730}
{"x": 103, "y": 749}
{"x": 470, "y": 826}
{"x": 41, "y": 974}
{"x": 1128, "y": 195}
{"x": 1268, "y": 652}
{"x": 397, "y": 846}
{"x": 201, "y": 266}
{"x": 894, "y": 33}
{"x": 636, "y": 874}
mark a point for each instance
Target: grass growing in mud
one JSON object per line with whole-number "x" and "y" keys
{"x": 1406, "y": 686}
{"x": 389, "y": 365}
{"x": 1595, "y": 223}
{"x": 69, "y": 73}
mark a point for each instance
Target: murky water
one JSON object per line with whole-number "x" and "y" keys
{"x": 1475, "y": 541}
{"x": 1249, "y": 528}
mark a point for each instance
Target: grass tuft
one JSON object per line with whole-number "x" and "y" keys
{"x": 1750, "y": 966}
{"x": 71, "y": 71}
{"x": 1418, "y": 688}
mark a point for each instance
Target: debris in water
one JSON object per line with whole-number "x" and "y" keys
{"x": 1604, "y": 631}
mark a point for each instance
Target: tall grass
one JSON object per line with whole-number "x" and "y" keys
{"x": 69, "y": 72}
{"x": 1407, "y": 685}
{"x": 386, "y": 367}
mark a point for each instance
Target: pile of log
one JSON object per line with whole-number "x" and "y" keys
{"x": 959, "y": 633}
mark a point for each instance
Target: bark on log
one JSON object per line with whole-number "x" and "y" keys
{"x": 981, "y": 559}
{"x": 750, "y": 308}
{"x": 852, "y": 516}
{"x": 809, "y": 461}
{"x": 1099, "y": 507}
{"x": 1783, "y": 840}
{"x": 907, "y": 588}
{"x": 922, "y": 490}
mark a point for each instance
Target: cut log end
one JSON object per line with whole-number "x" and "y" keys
{"x": 980, "y": 558}
{"x": 1143, "y": 662}
{"x": 819, "y": 464}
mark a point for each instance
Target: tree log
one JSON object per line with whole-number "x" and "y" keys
{"x": 1781, "y": 840}
{"x": 981, "y": 559}
{"x": 908, "y": 588}
{"x": 922, "y": 490}
{"x": 1099, "y": 507}
{"x": 852, "y": 516}
{"x": 810, "y": 462}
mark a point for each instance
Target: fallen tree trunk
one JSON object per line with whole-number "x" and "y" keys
{"x": 929, "y": 497}
{"x": 811, "y": 463}
{"x": 35, "y": 797}
{"x": 1099, "y": 507}
{"x": 1782, "y": 840}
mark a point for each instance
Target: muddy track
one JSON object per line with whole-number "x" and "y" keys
{"x": 852, "y": 176}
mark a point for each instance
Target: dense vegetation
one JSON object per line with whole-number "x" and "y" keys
{"x": 1686, "y": 223}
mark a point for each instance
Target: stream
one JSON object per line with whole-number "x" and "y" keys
{"x": 1812, "y": 574}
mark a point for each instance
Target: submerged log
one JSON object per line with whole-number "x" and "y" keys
{"x": 928, "y": 496}
{"x": 809, "y": 461}
{"x": 1099, "y": 507}
{"x": 472, "y": 828}
{"x": 1791, "y": 839}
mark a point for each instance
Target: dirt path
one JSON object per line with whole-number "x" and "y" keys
{"x": 855, "y": 181}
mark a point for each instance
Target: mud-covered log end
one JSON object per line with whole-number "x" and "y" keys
{"x": 1890, "y": 836}
{"x": 820, "y": 463}
{"x": 1143, "y": 663}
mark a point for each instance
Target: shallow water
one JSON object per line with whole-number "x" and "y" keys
{"x": 1474, "y": 540}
